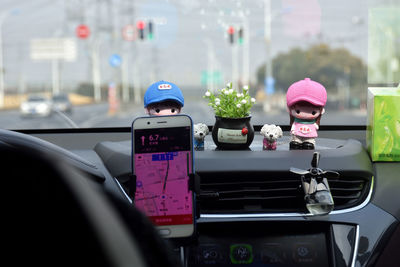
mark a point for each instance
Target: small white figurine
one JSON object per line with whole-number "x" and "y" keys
{"x": 271, "y": 133}
{"x": 200, "y": 131}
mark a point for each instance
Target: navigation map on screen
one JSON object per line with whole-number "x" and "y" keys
{"x": 162, "y": 164}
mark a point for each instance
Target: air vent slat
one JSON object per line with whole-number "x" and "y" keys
{"x": 346, "y": 181}
{"x": 352, "y": 196}
{"x": 346, "y": 189}
{"x": 249, "y": 183}
{"x": 271, "y": 192}
{"x": 244, "y": 191}
{"x": 256, "y": 198}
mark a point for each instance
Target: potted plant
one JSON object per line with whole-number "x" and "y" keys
{"x": 232, "y": 128}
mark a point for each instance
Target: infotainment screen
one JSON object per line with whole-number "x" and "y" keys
{"x": 262, "y": 248}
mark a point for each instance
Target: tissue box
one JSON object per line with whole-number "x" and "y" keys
{"x": 383, "y": 123}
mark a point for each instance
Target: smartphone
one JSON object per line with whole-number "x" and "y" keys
{"x": 162, "y": 160}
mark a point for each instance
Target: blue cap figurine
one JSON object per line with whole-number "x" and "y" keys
{"x": 163, "y": 98}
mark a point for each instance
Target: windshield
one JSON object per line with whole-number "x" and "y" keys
{"x": 105, "y": 54}
{"x": 36, "y": 99}
{"x": 60, "y": 98}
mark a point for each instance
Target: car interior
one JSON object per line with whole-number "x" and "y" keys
{"x": 258, "y": 203}
{"x": 69, "y": 183}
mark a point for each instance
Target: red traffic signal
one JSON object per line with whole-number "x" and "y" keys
{"x": 231, "y": 32}
{"x": 140, "y": 26}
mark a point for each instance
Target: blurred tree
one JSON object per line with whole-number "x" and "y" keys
{"x": 331, "y": 67}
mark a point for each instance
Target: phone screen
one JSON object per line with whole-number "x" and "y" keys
{"x": 162, "y": 164}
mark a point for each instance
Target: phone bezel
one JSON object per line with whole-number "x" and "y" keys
{"x": 170, "y": 121}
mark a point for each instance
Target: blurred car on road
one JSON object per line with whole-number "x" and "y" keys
{"x": 62, "y": 103}
{"x": 36, "y": 105}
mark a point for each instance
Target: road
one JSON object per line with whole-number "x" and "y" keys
{"x": 97, "y": 115}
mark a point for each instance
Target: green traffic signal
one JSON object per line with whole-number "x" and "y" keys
{"x": 150, "y": 35}
{"x": 240, "y": 38}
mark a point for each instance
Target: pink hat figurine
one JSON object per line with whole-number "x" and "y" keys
{"x": 305, "y": 103}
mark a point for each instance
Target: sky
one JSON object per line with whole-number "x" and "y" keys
{"x": 190, "y": 35}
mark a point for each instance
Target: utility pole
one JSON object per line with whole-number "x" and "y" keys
{"x": 55, "y": 67}
{"x": 137, "y": 98}
{"x": 95, "y": 49}
{"x": 267, "y": 35}
{"x": 210, "y": 65}
{"x": 3, "y": 17}
{"x": 96, "y": 69}
{"x": 125, "y": 80}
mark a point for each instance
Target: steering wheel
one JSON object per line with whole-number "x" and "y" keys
{"x": 55, "y": 215}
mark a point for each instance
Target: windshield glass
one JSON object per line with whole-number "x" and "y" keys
{"x": 104, "y": 54}
{"x": 36, "y": 99}
{"x": 60, "y": 98}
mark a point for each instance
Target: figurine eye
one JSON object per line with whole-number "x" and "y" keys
{"x": 173, "y": 110}
{"x": 297, "y": 111}
{"x": 157, "y": 110}
{"x": 314, "y": 112}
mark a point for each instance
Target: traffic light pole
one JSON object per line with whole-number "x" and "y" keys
{"x": 235, "y": 69}
{"x": 246, "y": 52}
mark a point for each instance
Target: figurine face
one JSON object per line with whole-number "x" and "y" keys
{"x": 162, "y": 109}
{"x": 305, "y": 111}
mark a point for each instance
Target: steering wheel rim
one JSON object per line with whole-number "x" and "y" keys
{"x": 54, "y": 211}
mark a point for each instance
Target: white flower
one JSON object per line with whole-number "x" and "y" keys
{"x": 231, "y": 91}
{"x": 217, "y": 103}
{"x": 227, "y": 92}
{"x": 208, "y": 93}
{"x": 243, "y": 101}
{"x": 246, "y": 87}
{"x": 217, "y": 100}
{"x": 238, "y": 105}
{"x": 229, "y": 85}
{"x": 238, "y": 95}
{"x": 253, "y": 100}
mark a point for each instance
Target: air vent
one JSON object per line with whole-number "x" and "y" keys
{"x": 271, "y": 192}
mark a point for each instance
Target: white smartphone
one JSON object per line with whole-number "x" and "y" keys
{"x": 162, "y": 160}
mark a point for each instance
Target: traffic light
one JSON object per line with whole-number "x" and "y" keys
{"x": 240, "y": 39}
{"x": 140, "y": 26}
{"x": 150, "y": 30}
{"x": 231, "y": 33}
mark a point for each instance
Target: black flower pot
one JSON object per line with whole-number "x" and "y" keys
{"x": 232, "y": 133}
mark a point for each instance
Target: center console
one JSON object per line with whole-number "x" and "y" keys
{"x": 273, "y": 244}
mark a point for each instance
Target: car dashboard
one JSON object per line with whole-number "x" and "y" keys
{"x": 250, "y": 208}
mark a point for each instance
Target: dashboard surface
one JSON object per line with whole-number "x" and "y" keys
{"x": 258, "y": 235}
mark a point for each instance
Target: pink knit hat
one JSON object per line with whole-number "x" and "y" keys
{"x": 306, "y": 90}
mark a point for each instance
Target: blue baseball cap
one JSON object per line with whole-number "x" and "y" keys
{"x": 162, "y": 91}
